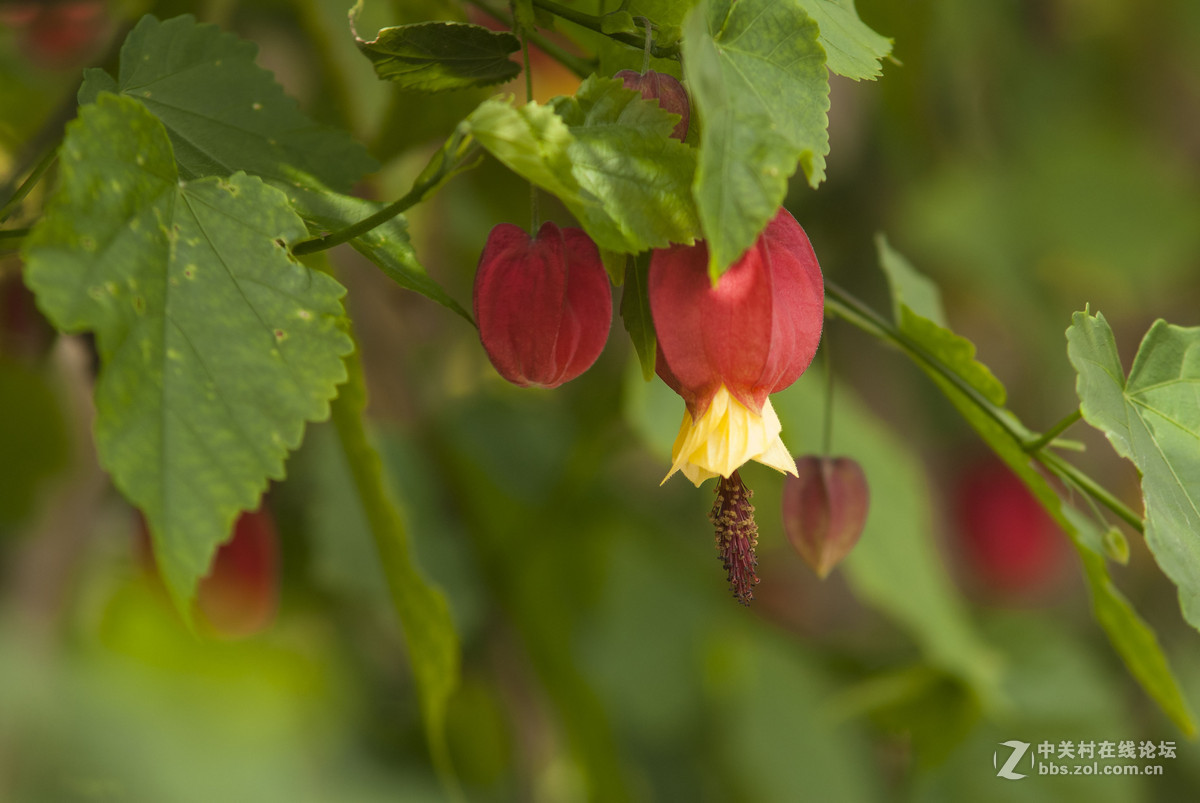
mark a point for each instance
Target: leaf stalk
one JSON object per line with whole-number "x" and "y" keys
{"x": 855, "y": 312}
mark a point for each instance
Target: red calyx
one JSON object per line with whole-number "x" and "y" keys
{"x": 755, "y": 332}
{"x": 543, "y": 305}
{"x": 1009, "y": 540}
{"x": 825, "y": 509}
{"x": 664, "y": 88}
{"x": 239, "y": 597}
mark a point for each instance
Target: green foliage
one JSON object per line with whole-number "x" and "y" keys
{"x": 949, "y": 361}
{"x": 442, "y": 56}
{"x": 217, "y": 347}
{"x": 635, "y": 312}
{"x": 1153, "y": 420}
{"x": 223, "y": 112}
{"x": 433, "y": 649}
{"x": 576, "y": 598}
{"x": 851, "y": 48}
{"x": 758, "y": 82}
{"x": 387, "y": 245}
{"x": 628, "y": 204}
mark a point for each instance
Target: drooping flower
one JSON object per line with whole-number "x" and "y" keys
{"x": 664, "y": 88}
{"x": 825, "y": 509}
{"x": 726, "y": 347}
{"x": 543, "y": 305}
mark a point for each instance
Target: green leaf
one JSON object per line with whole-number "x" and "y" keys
{"x": 619, "y": 22}
{"x": 223, "y": 112}
{"x": 442, "y": 56}
{"x": 979, "y": 397}
{"x": 216, "y": 346}
{"x": 909, "y": 288}
{"x": 387, "y": 245}
{"x": 759, "y": 86}
{"x": 606, "y": 155}
{"x": 531, "y": 140}
{"x": 624, "y": 157}
{"x": 433, "y": 647}
{"x": 851, "y": 48}
{"x": 1153, "y": 420}
{"x": 635, "y": 312}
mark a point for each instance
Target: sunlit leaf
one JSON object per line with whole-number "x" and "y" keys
{"x": 222, "y": 111}
{"x": 851, "y": 48}
{"x": 1153, "y": 420}
{"x": 216, "y": 346}
{"x": 606, "y": 155}
{"x": 758, "y": 82}
{"x": 624, "y": 157}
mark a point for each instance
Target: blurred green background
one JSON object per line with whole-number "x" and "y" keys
{"x": 1032, "y": 157}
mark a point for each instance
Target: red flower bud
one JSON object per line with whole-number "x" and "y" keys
{"x": 664, "y": 88}
{"x": 543, "y": 305}
{"x": 755, "y": 332}
{"x": 239, "y": 596}
{"x": 1011, "y": 544}
{"x": 825, "y": 509}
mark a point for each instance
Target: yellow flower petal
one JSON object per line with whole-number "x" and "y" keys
{"x": 727, "y": 436}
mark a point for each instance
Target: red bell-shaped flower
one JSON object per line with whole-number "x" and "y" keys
{"x": 543, "y": 305}
{"x": 825, "y": 509}
{"x": 755, "y": 331}
{"x": 664, "y": 88}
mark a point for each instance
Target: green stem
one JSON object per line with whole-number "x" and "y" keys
{"x": 855, "y": 312}
{"x": 580, "y": 66}
{"x": 593, "y": 23}
{"x": 413, "y": 197}
{"x": 29, "y": 183}
{"x": 13, "y": 234}
{"x": 1053, "y": 432}
{"x": 648, "y": 44}
{"x": 1094, "y": 489}
{"x": 424, "y": 614}
{"x": 533, "y": 193}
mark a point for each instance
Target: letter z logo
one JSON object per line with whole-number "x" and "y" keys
{"x": 1018, "y": 752}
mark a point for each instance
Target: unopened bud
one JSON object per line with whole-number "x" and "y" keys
{"x": 825, "y": 509}
{"x": 543, "y": 304}
{"x": 664, "y": 88}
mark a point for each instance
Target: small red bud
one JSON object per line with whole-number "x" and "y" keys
{"x": 664, "y": 88}
{"x": 543, "y": 305}
{"x": 239, "y": 597}
{"x": 825, "y": 509}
